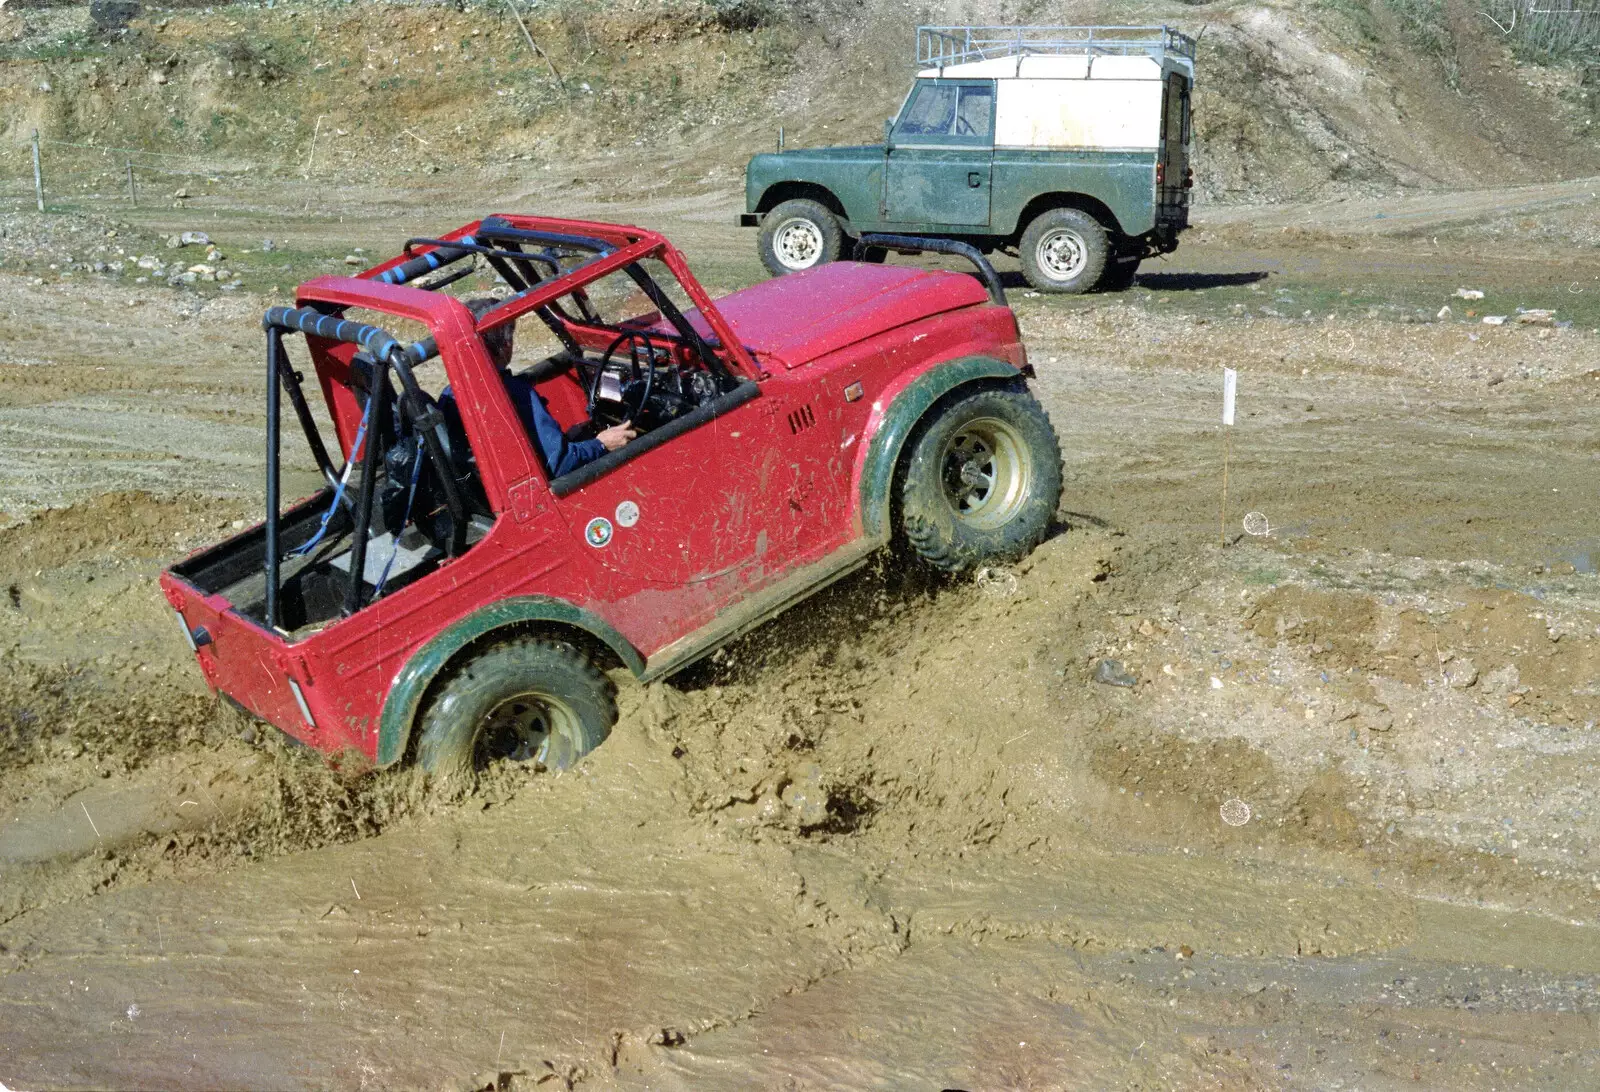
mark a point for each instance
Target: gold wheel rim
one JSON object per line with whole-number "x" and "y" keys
{"x": 528, "y": 727}
{"x": 985, "y": 470}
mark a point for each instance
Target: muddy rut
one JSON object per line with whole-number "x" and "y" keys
{"x": 1337, "y": 829}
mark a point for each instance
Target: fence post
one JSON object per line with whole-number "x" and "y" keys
{"x": 133, "y": 194}
{"x": 38, "y": 177}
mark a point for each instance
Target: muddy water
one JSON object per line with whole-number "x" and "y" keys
{"x": 900, "y": 837}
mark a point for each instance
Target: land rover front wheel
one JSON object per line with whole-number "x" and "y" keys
{"x": 526, "y": 700}
{"x": 982, "y": 480}
{"x": 1064, "y": 250}
{"x": 799, "y": 234}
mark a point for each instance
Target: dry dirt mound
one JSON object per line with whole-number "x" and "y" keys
{"x": 1293, "y": 100}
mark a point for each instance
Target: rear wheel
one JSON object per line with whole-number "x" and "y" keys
{"x": 527, "y": 700}
{"x": 982, "y": 480}
{"x": 1064, "y": 250}
{"x": 798, "y": 235}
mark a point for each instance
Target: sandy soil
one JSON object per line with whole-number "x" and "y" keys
{"x": 899, "y": 837}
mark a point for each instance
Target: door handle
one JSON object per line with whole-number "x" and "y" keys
{"x": 974, "y": 180}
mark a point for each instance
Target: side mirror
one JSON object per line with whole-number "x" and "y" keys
{"x": 888, "y": 130}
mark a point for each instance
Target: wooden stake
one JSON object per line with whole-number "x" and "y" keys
{"x": 533, "y": 45}
{"x": 133, "y": 193}
{"x": 1222, "y": 513}
{"x": 38, "y": 175}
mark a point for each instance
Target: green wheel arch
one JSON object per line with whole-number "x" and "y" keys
{"x": 902, "y": 415}
{"x": 404, "y": 701}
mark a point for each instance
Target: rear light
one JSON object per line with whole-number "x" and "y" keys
{"x": 1161, "y": 174}
{"x": 1188, "y": 178}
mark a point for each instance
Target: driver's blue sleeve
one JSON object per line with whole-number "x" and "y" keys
{"x": 560, "y": 454}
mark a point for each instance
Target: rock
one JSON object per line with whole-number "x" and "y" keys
{"x": 351, "y": 259}
{"x": 158, "y": 77}
{"x": 113, "y": 15}
{"x": 1494, "y": 320}
{"x": 1468, "y": 294}
{"x": 1502, "y": 680}
{"x": 1460, "y": 674}
{"x": 1112, "y": 673}
{"x": 1535, "y": 316}
{"x": 174, "y": 242}
{"x": 1444, "y": 313}
{"x": 268, "y": 246}
{"x": 805, "y": 796}
{"x": 180, "y": 194}
{"x": 193, "y": 238}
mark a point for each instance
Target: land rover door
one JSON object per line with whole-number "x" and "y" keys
{"x": 940, "y": 156}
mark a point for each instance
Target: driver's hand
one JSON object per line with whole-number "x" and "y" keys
{"x": 617, "y": 435}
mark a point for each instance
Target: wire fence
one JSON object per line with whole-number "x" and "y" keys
{"x": 44, "y": 174}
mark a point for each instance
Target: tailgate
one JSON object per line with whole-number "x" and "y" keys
{"x": 251, "y": 665}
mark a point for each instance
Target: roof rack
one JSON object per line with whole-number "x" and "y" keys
{"x": 940, "y": 46}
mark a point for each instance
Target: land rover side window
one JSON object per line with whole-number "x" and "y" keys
{"x": 962, "y": 112}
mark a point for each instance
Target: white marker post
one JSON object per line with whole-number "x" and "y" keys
{"x": 1230, "y": 390}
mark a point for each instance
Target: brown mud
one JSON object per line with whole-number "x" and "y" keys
{"x": 900, "y": 836}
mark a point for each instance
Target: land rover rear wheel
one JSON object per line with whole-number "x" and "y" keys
{"x": 527, "y": 700}
{"x": 1064, "y": 250}
{"x": 982, "y": 480}
{"x": 798, "y": 235}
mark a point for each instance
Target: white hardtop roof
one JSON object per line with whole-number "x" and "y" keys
{"x": 1023, "y": 67}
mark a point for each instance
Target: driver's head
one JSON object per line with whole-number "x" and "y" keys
{"x": 499, "y": 340}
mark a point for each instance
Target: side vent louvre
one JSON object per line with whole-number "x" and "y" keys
{"x": 801, "y": 419}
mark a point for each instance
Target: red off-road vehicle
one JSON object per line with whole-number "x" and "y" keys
{"x": 443, "y": 596}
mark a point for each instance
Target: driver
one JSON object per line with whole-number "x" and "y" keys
{"x": 562, "y": 452}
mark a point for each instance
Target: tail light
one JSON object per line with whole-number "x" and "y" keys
{"x": 1188, "y": 178}
{"x": 1161, "y": 174}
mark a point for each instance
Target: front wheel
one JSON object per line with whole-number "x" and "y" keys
{"x": 527, "y": 700}
{"x": 982, "y": 480}
{"x": 1064, "y": 250}
{"x": 798, "y": 235}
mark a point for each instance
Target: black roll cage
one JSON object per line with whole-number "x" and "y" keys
{"x": 517, "y": 267}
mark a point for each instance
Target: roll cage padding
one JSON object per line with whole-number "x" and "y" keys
{"x": 375, "y": 340}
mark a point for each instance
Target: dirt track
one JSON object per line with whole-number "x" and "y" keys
{"x": 1022, "y": 879}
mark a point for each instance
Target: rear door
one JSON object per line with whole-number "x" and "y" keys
{"x": 1172, "y": 196}
{"x": 941, "y": 154}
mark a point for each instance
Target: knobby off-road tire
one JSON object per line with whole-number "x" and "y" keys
{"x": 799, "y": 234}
{"x": 1064, "y": 250}
{"x": 982, "y": 480}
{"x": 530, "y": 699}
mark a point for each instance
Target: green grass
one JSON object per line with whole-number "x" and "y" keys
{"x": 72, "y": 46}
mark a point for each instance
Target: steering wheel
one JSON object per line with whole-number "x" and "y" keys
{"x": 631, "y": 338}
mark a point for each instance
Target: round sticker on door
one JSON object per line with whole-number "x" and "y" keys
{"x": 627, "y": 514}
{"x": 598, "y": 531}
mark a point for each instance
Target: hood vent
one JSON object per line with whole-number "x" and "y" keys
{"x": 801, "y": 419}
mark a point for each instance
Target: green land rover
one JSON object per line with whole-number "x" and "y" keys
{"x": 1067, "y": 146}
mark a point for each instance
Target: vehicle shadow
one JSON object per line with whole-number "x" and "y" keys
{"x": 1193, "y": 282}
{"x": 1161, "y": 282}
